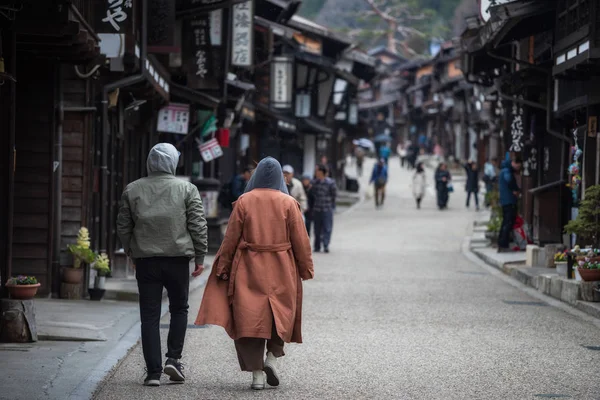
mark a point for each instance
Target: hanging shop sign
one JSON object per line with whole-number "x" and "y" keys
{"x": 281, "y": 82}
{"x": 210, "y": 150}
{"x": 197, "y": 53}
{"x": 161, "y": 19}
{"x": 216, "y": 27}
{"x": 174, "y": 118}
{"x": 517, "y": 130}
{"x": 303, "y": 105}
{"x": 353, "y": 113}
{"x": 242, "y": 37}
{"x": 592, "y": 126}
{"x": 113, "y": 16}
{"x": 484, "y": 7}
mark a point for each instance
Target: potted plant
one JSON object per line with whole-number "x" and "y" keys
{"x": 22, "y": 287}
{"x": 493, "y": 229}
{"x": 589, "y": 270}
{"x": 102, "y": 267}
{"x": 587, "y": 224}
{"x": 81, "y": 254}
{"x": 561, "y": 263}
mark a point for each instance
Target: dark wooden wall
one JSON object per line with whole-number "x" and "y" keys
{"x": 33, "y": 176}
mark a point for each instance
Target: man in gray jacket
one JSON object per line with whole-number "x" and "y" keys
{"x": 161, "y": 225}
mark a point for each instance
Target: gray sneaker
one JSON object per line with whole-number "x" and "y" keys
{"x": 152, "y": 379}
{"x": 174, "y": 369}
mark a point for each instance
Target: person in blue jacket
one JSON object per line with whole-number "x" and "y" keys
{"x": 379, "y": 177}
{"x": 385, "y": 152}
{"x": 509, "y": 195}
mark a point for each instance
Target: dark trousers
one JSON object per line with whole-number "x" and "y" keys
{"x": 379, "y": 195}
{"x": 476, "y": 195}
{"x": 418, "y": 199}
{"x": 152, "y": 274}
{"x": 509, "y": 215}
{"x": 323, "y": 221}
{"x": 251, "y": 351}
{"x": 308, "y": 222}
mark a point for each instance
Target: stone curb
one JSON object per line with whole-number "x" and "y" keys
{"x": 588, "y": 312}
{"x": 544, "y": 281}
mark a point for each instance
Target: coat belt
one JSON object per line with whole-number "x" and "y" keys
{"x": 257, "y": 248}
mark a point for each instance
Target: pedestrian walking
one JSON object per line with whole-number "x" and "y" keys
{"x": 255, "y": 288}
{"x": 379, "y": 178}
{"x": 443, "y": 185}
{"x": 295, "y": 188}
{"x": 232, "y": 191}
{"x": 489, "y": 178}
{"x": 509, "y": 195}
{"x": 359, "y": 153}
{"x": 385, "y": 152}
{"x": 325, "y": 192}
{"x": 472, "y": 185}
{"x": 419, "y": 184}
{"x": 402, "y": 154}
{"x": 308, "y": 214}
{"x": 161, "y": 225}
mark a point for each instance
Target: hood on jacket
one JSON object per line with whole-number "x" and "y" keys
{"x": 507, "y": 161}
{"x": 163, "y": 157}
{"x": 267, "y": 175}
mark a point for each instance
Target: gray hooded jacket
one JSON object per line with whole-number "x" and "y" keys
{"x": 162, "y": 215}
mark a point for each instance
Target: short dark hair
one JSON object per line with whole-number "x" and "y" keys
{"x": 518, "y": 160}
{"x": 322, "y": 168}
{"x": 247, "y": 169}
{"x": 494, "y": 159}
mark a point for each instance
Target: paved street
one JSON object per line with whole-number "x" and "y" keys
{"x": 397, "y": 312}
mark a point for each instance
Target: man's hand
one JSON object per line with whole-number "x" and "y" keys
{"x": 198, "y": 271}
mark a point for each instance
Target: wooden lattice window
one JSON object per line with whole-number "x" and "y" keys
{"x": 572, "y": 16}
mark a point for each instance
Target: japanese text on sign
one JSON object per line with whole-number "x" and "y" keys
{"x": 210, "y": 150}
{"x": 242, "y": 37}
{"x": 200, "y": 43}
{"x": 174, "y": 118}
{"x": 281, "y": 91}
{"x": 516, "y": 128}
{"x": 216, "y": 27}
{"x": 117, "y": 13}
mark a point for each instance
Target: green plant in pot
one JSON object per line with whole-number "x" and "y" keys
{"x": 102, "y": 267}
{"x": 22, "y": 287}
{"x": 587, "y": 224}
{"x": 82, "y": 254}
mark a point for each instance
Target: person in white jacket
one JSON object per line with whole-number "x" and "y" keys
{"x": 419, "y": 184}
{"x": 295, "y": 187}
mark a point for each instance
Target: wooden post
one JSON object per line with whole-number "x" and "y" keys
{"x": 17, "y": 321}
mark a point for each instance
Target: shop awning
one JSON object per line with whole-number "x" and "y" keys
{"x": 311, "y": 125}
{"x": 194, "y": 96}
{"x": 327, "y": 65}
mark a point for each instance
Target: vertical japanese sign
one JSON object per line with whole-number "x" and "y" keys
{"x": 242, "y": 34}
{"x": 197, "y": 52}
{"x": 161, "y": 20}
{"x": 114, "y": 16}
{"x": 216, "y": 27}
{"x": 281, "y": 81}
{"x": 517, "y": 128}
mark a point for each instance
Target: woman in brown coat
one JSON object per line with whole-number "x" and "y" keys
{"x": 255, "y": 288}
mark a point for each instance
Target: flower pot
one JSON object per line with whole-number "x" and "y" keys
{"x": 99, "y": 282}
{"x": 562, "y": 269}
{"x": 22, "y": 292}
{"x": 72, "y": 275}
{"x": 589, "y": 275}
{"x": 96, "y": 294}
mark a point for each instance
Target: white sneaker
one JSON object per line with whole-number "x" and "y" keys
{"x": 271, "y": 370}
{"x": 258, "y": 380}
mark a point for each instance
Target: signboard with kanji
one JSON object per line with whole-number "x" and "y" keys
{"x": 242, "y": 34}
{"x": 113, "y": 16}
{"x": 174, "y": 118}
{"x": 210, "y": 150}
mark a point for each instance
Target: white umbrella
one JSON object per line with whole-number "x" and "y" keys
{"x": 366, "y": 143}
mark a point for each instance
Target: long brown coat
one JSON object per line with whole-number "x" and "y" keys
{"x": 265, "y": 254}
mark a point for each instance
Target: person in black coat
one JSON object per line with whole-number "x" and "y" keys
{"x": 472, "y": 186}
{"x": 442, "y": 180}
